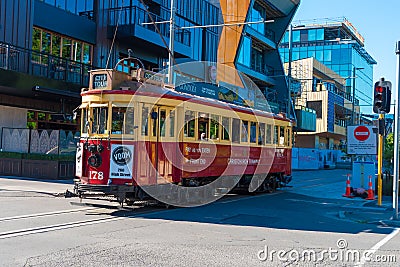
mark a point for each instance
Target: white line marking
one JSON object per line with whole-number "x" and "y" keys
{"x": 377, "y": 246}
{"x": 43, "y": 214}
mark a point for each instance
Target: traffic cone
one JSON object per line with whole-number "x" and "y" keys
{"x": 370, "y": 190}
{"x": 348, "y": 192}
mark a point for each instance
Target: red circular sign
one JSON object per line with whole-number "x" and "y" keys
{"x": 361, "y": 133}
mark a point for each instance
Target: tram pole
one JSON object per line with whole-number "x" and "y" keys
{"x": 171, "y": 41}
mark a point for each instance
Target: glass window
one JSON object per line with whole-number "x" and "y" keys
{"x": 55, "y": 45}
{"x": 327, "y": 55}
{"x": 77, "y": 51}
{"x": 268, "y": 135}
{"x": 320, "y": 34}
{"x": 129, "y": 124}
{"x": 145, "y": 116}
{"x": 226, "y": 128}
{"x": 235, "y": 130}
{"x": 203, "y": 126}
{"x": 319, "y": 55}
{"x": 163, "y": 117}
{"x": 282, "y": 136}
{"x": 188, "y": 130}
{"x": 71, "y": 6}
{"x": 66, "y": 48}
{"x": 296, "y": 36}
{"x": 87, "y": 54}
{"x": 253, "y": 132}
{"x": 261, "y": 134}
{"x": 60, "y": 4}
{"x": 244, "y": 132}
{"x": 288, "y": 137}
{"x": 100, "y": 116}
{"x": 244, "y": 52}
{"x": 258, "y": 14}
{"x": 276, "y": 134}
{"x": 214, "y": 127}
{"x": 312, "y": 35}
{"x": 172, "y": 123}
{"x": 117, "y": 123}
{"x": 84, "y": 119}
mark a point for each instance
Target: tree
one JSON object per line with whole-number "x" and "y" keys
{"x": 388, "y": 151}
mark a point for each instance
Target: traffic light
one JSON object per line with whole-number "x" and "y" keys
{"x": 382, "y": 96}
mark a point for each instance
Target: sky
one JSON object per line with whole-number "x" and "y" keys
{"x": 377, "y": 21}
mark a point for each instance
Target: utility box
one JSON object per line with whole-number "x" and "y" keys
{"x": 362, "y": 170}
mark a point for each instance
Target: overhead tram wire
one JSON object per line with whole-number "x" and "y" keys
{"x": 115, "y": 34}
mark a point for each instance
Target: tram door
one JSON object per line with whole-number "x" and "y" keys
{"x": 163, "y": 147}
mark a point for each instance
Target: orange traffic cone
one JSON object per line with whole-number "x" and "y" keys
{"x": 348, "y": 192}
{"x": 370, "y": 190}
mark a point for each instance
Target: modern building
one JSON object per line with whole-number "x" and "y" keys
{"x": 47, "y": 48}
{"x": 323, "y": 91}
{"x": 337, "y": 44}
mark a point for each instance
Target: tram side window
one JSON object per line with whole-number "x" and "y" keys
{"x": 203, "y": 122}
{"x": 289, "y": 138}
{"x": 145, "y": 121}
{"x": 253, "y": 132}
{"x": 214, "y": 127}
{"x": 100, "y": 116}
{"x": 245, "y": 127}
{"x": 163, "y": 117}
{"x": 172, "y": 123}
{"x": 261, "y": 134}
{"x": 189, "y": 129}
{"x": 225, "y": 128}
{"x": 282, "y": 136}
{"x": 268, "y": 136}
{"x": 235, "y": 130}
{"x": 84, "y": 121}
{"x": 276, "y": 134}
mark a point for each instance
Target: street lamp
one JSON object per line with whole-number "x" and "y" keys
{"x": 354, "y": 93}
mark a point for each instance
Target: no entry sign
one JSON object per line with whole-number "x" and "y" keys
{"x": 361, "y": 140}
{"x": 361, "y": 133}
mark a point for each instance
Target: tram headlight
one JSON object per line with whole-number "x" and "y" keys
{"x": 100, "y": 148}
{"x": 92, "y": 148}
{"x": 95, "y": 160}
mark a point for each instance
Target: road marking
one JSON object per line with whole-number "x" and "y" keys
{"x": 43, "y": 214}
{"x": 377, "y": 246}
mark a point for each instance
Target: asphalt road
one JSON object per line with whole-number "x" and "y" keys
{"x": 309, "y": 224}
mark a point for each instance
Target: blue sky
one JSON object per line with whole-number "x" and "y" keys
{"x": 377, "y": 21}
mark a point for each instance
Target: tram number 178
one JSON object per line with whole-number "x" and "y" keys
{"x": 94, "y": 175}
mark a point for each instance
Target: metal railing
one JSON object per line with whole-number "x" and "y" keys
{"x": 43, "y": 64}
{"x": 133, "y": 15}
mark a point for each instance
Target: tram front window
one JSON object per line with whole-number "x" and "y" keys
{"x": 122, "y": 120}
{"x": 85, "y": 123}
{"x": 99, "y": 125}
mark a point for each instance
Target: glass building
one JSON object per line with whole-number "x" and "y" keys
{"x": 337, "y": 44}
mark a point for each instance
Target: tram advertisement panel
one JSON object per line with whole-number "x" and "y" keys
{"x": 121, "y": 161}
{"x": 78, "y": 160}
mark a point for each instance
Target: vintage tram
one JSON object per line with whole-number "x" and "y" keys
{"x": 138, "y": 134}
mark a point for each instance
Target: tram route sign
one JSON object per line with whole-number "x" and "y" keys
{"x": 121, "y": 161}
{"x": 361, "y": 140}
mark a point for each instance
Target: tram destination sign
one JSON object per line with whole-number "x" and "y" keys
{"x": 361, "y": 140}
{"x": 100, "y": 81}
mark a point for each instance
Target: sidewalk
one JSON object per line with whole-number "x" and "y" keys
{"x": 31, "y": 185}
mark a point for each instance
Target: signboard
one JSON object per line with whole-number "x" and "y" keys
{"x": 100, "y": 81}
{"x": 78, "y": 160}
{"x": 121, "y": 161}
{"x": 361, "y": 140}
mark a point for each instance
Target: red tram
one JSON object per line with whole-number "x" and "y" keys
{"x": 137, "y": 136}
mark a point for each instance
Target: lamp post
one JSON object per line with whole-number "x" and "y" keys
{"x": 354, "y": 93}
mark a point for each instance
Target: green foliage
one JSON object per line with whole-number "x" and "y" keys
{"x": 10, "y": 155}
{"x": 388, "y": 151}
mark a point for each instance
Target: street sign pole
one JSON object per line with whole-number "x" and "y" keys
{"x": 396, "y": 140}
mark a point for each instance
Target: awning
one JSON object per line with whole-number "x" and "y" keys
{"x": 84, "y": 105}
{"x": 99, "y": 105}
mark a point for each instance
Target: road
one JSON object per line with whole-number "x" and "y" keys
{"x": 304, "y": 225}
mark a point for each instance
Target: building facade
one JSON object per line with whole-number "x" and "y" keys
{"x": 47, "y": 47}
{"x": 323, "y": 91}
{"x": 337, "y": 44}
